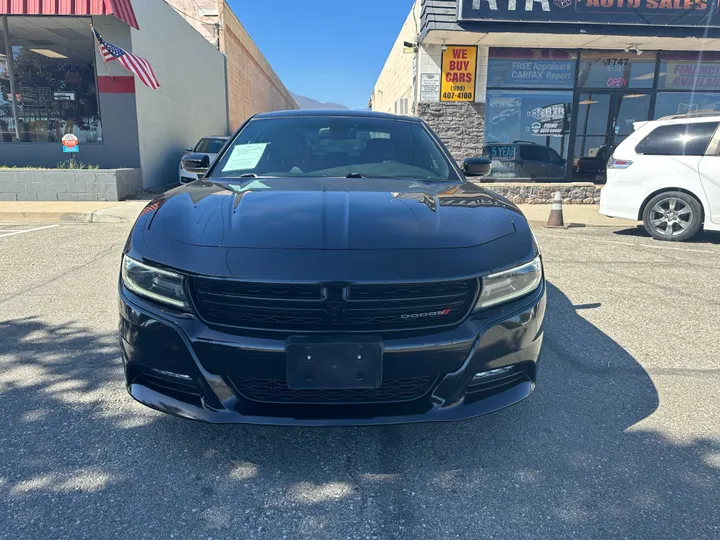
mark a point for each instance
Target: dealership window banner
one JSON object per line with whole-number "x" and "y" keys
{"x": 693, "y": 75}
{"x": 459, "y": 65}
{"x": 634, "y": 12}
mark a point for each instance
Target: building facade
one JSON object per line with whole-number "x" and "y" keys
{"x": 211, "y": 81}
{"x": 253, "y": 86}
{"x": 547, "y": 88}
{"x": 62, "y": 86}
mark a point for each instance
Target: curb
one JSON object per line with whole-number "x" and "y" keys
{"x": 65, "y": 217}
{"x": 575, "y": 225}
{"x": 121, "y": 213}
{"x": 44, "y": 217}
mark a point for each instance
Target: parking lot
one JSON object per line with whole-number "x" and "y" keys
{"x": 620, "y": 440}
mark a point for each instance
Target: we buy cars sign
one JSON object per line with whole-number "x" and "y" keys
{"x": 459, "y": 65}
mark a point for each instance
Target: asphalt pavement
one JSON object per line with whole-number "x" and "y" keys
{"x": 620, "y": 440}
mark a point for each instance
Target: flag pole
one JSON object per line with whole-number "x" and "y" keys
{"x": 11, "y": 75}
{"x": 107, "y": 68}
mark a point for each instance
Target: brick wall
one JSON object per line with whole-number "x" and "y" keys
{"x": 253, "y": 86}
{"x": 460, "y": 126}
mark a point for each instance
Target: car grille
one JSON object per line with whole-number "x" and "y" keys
{"x": 277, "y": 391}
{"x": 329, "y": 308}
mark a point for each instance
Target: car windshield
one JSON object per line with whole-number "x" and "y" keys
{"x": 209, "y": 146}
{"x": 335, "y": 146}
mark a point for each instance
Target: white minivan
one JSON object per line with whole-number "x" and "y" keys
{"x": 667, "y": 175}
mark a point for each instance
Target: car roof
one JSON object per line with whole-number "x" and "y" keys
{"x": 687, "y": 119}
{"x": 223, "y": 137}
{"x": 335, "y": 112}
{"x": 498, "y": 143}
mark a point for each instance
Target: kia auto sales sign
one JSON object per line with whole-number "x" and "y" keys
{"x": 634, "y": 12}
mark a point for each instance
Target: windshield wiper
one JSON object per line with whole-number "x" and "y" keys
{"x": 355, "y": 175}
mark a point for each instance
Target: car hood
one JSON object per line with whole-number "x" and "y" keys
{"x": 331, "y": 214}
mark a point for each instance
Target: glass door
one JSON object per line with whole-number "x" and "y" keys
{"x": 628, "y": 109}
{"x": 604, "y": 120}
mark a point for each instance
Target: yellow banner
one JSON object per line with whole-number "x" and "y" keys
{"x": 458, "y": 73}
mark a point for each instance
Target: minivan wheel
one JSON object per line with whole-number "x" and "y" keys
{"x": 674, "y": 216}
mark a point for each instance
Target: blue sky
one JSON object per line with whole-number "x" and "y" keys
{"x": 329, "y": 50}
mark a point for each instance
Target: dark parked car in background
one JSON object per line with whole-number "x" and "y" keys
{"x": 331, "y": 268}
{"x": 592, "y": 168}
{"x": 524, "y": 160}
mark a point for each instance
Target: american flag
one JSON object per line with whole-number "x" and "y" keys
{"x": 134, "y": 64}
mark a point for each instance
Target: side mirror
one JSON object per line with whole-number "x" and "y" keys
{"x": 196, "y": 163}
{"x": 188, "y": 148}
{"x": 477, "y": 166}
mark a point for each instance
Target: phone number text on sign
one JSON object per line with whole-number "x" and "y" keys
{"x": 458, "y": 74}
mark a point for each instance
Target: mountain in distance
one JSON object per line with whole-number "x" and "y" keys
{"x": 309, "y": 103}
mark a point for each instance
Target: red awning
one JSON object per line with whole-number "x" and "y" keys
{"x": 122, "y": 9}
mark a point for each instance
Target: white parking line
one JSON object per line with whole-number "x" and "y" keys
{"x": 593, "y": 239}
{"x": 27, "y": 230}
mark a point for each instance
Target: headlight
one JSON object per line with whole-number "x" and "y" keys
{"x": 154, "y": 283}
{"x": 509, "y": 284}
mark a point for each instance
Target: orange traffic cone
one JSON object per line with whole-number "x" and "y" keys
{"x": 556, "y": 212}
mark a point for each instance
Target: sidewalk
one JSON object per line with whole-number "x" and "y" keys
{"x": 126, "y": 212}
{"x": 585, "y": 215}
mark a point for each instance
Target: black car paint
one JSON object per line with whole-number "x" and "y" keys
{"x": 317, "y": 230}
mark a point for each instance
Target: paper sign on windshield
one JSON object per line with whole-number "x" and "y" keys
{"x": 244, "y": 156}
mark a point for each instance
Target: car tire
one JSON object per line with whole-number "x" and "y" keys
{"x": 673, "y": 216}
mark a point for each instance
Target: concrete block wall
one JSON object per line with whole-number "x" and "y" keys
{"x": 69, "y": 185}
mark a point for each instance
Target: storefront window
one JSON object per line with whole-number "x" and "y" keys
{"x": 531, "y": 68}
{"x": 527, "y": 133}
{"x": 611, "y": 69}
{"x": 669, "y": 103}
{"x": 690, "y": 71}
{"x": 55, "y": 83}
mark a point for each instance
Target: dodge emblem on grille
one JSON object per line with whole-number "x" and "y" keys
{"x": 426, "y": 314}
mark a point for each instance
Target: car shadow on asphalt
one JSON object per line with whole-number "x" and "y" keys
{"x": 703, "y": 237}
{"x": 578, "y": 459}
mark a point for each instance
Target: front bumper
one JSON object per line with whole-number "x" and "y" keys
{"x": 158, "y": 345}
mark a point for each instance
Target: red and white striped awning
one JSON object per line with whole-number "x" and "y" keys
{"x": 122, "y": 9}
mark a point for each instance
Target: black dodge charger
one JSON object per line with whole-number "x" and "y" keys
{"x": 331, "y": 268}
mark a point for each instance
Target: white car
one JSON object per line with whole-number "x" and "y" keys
{"x": 207, "y": 145}
{"x": 667, "y": 175}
